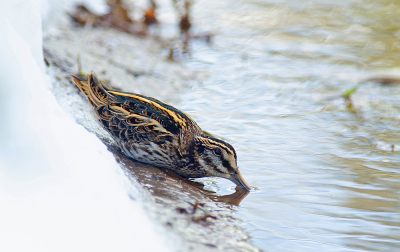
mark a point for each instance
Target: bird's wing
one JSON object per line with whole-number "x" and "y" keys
{"x": 163, "y": 119}
{"x": 126, "y": 123}
{"x": 172, "y": 119}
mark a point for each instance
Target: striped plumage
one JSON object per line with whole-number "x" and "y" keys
{"x": 156, "y": 133}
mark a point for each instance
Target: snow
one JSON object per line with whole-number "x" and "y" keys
{"x": 60, "y": 189}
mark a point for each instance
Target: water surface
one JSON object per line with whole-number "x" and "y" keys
{"x": 325, "y": 177}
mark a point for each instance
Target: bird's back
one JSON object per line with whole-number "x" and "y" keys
{"x": 145, "y": 128}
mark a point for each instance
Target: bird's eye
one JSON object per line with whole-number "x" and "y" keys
{"x": 217, "y": 151}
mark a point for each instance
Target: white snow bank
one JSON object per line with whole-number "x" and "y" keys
{"x": 59, "y": 186}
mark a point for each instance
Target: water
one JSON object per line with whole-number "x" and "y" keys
{"x": 325, "y": 177}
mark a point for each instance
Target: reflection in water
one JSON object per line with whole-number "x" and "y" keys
{"x": 232, "y": 199}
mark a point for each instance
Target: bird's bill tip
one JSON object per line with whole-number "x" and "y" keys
{"x": 237, "y": 178}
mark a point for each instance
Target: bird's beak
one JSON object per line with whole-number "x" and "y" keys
{"x": 237, "y": 178}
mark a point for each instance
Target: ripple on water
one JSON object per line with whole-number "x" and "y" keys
{"x": 327, "y": 178}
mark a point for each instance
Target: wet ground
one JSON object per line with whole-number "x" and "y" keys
{"x": 325, "y": 172}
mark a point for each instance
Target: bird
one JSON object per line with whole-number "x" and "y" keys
{"x": 153, "y": 132}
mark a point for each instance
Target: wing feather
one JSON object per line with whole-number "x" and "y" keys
{"x": 127, "y": 126}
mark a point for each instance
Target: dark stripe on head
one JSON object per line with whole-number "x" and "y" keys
{"x": 227, "y": 165}
{"x": 210, "y": 163}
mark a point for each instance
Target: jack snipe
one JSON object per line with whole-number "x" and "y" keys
{"x": 156, "y": 133}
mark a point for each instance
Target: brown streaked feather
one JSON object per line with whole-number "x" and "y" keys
{"x": 171, "y": 118}
{"x": 98, "y": 94}
{"x": 120, "y": 119}
{"x": 135, "y": 127}
{"x": 94, "y": 90}
{"x": 119, "y": 111}
{"x": 83, "y": 86}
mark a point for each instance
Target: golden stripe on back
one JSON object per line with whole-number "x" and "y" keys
{"x": 173, "y": 114}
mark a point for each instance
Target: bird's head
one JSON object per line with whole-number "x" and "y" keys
{"x": 217, "y": 158}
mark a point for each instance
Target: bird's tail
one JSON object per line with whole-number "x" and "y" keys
{"x": 94, "y": 90}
